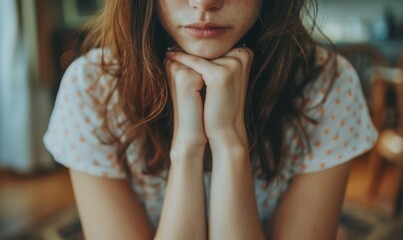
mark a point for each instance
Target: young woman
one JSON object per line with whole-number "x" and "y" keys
{"x": 219, "y": 119}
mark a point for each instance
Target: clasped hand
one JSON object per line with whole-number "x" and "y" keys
{"x": 218, "y": 120}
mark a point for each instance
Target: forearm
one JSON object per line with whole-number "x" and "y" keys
{"x": 183, "y": 213}
{"x": 233, "y": 207}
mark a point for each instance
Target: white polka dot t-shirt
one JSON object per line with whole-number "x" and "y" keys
{"x": 343, "y": 131}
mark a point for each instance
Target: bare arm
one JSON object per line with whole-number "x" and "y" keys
{"x": 310, "y": 208}
{"x": 109, "y": 209}
{"x": 183, "y": 213}
{"x": 233, "y": 206}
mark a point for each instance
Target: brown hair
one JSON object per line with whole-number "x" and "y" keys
{"x": 284, "y": 64}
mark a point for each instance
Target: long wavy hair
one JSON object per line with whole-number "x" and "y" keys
{"x": 284, "y": 64}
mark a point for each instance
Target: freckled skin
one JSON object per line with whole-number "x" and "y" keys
{"x": 238, "y": 15}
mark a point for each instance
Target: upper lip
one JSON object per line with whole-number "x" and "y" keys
{"x": 205, "y": 25}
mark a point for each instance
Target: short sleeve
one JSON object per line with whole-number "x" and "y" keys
{"x": 344, "y": 128}
{"x": 73, "y": 134}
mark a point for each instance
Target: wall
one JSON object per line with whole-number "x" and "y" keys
{"x": 359, "y": 20}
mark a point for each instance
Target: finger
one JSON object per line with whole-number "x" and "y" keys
{"x": 200, "y": 65}
{"x": 244, "y": 54}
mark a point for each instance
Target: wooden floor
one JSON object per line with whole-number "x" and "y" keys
{"x": 25, "y": 200}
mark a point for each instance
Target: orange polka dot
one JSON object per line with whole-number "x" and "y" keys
{"x": 354, "y": 148}
{"x": 111, "y": 156}
{"x": 325, "y": 131}
{"x": 95, "y": 163}
{"x": 317, "y": 144}
{"x": 347, "y": 109}
{"x": 340, "y": 156}
{"x": 302, "y": 166}
{"x": 322, "y": 165}
{"x": 82, "y": 139}
{"x": 309, "y": 156}
{"x": 87, "y": 120}
{"x": 81, "y": 105}
{"x": 345, "y": 144}
{"x": 329, "y": 152}
{"x": 88, "y": 77}
{"x": 350, "y": 93}
{"x": 333, "y": 117}
{"x": 336, "y": 137}
{"x": 337, "y": 101}
{"x": 342, "y": 122}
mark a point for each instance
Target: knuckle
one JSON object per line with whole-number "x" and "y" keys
{"x": 180, "y": 77}
{"x": 234, "y": 63}
{"x": 245, "y": 54}
{"x": 186, "y": 78}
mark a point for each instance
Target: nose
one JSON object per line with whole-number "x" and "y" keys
{"x": 206, "y": 5}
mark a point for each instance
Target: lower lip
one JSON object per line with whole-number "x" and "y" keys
{"x": 204, "y": 32}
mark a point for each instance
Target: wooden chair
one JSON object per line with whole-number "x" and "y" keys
{"x": 390, "y": 143}
{"x": 383, "y": 90}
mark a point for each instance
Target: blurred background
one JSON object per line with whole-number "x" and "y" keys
{"x": 40, "y": 38}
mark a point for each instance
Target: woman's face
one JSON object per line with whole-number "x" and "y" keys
{"x": 207, "y": 28}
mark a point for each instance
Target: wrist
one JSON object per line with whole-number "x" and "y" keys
{"x": 189, "y": 153}
{"x": 230, "y": 149}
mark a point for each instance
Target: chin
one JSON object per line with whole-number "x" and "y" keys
{"x": 209, "y": 56}
{"x": 207, "y": 52}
